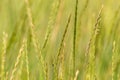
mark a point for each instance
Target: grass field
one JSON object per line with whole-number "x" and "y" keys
{"x": 59, "y": 40}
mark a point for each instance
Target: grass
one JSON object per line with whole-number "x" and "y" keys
{"x": 90, "y": 54}
{"x": 74, "y": 36}
{"x": 59, "y": 40}
{"x": 3, "y": 56}
{"x": 58, "y": 60}
{"x": 17, "y": 60}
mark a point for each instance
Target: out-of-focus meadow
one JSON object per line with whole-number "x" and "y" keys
{"x": 37, "y": 44}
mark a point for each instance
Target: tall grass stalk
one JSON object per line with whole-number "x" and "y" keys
{"x": 60, "y": 48}
{"x": 74, "y": 36}
{"x": 3, "y": 56}
{"x": 90, "y": 52}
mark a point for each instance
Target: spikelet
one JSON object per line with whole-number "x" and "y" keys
{"x": 46, "y": 72}
{"x": 115, "y": 62}
{"x": 18, "y": 60}
{"x": 21, "y": 65}
{"x": 76, "y": 75}
{"x": 53, "y": 14}
{"x": 3, "y": 55}
{"x": 90, "y": 52}
{"x": 34, "y": 38}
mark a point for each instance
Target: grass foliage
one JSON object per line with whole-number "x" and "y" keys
{"x": 59, "y": 40}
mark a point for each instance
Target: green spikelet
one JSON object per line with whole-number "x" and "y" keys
{"x": 3, "y": 56}
{"x": 90, "y": 54}
{"x": 115, "y": 62}
{"x": 17, "y": 60}
{"x": 53, "y": 14}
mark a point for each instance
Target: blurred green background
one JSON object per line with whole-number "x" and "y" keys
{"x": 13, "y": 21}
